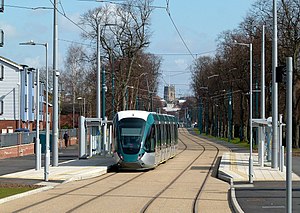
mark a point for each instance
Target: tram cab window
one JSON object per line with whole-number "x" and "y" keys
{"x": 130, "y": 132}
{"x": 151, "y": 140}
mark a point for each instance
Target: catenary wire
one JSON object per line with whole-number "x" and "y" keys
{"x": 177, "y": 30}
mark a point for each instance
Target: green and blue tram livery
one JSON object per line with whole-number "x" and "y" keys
{"x": 143, "y": 140}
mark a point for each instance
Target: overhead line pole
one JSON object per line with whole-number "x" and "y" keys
{"x": 98, "y": 75}
{"x": 55, "y": 90}
{"x": 274, "y": 163}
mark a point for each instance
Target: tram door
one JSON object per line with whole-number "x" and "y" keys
{"x": 158, "y": 144}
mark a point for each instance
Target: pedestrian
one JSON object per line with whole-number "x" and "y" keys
{"x": 66, "y": 138}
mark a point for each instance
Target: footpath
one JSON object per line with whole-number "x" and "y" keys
{"x": 21, "y": 170}
{"x": 268, "y": 191}
{"x": 266, "y": 194}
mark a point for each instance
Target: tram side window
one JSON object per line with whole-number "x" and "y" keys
{"x": 176, "y": 134}
{"x": 165, "y": 134}
{"x": 168, "y": 134}
{"x": 151, "y": 140}
{"x": 172, "y": 133}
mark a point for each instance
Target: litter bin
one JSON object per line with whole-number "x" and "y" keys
{"x": 43, "y": 142}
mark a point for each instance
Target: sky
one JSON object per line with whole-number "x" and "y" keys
{"x": 198, "y": 21}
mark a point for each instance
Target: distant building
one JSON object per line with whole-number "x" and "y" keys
{"x": 169, "y": 93}
{"x": 9, "y": 95}
{"x": 17, "y": 97}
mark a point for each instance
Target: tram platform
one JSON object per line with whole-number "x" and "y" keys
{"x": 236, "y": 166}
{"x": 267, "y": 193}
{"x": 21, "y": 170}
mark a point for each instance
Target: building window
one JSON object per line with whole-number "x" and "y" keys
{"x": 1, "y": 107}
{"x": 1, "y": 38}
{"x": 1, "y": 73}
{"x": 2, "y": 6}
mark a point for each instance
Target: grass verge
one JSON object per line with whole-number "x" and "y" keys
{"x": 9, "y": 189}
{"x": 245, "y": 144}
{"x": 236, "y": 141}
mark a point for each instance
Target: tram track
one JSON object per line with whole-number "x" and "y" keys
{"x": 179, "y": 180}
{"x": 104, "y": 177}
{"x": 196, "y": 199}
{"x": 148, "y": 204}
{"x": 121, "y": 185}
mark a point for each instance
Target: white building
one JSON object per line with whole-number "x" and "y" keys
{"x": 17, "y": 96}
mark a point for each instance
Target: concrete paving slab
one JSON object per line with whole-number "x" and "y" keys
{"x": 236, "y": 166}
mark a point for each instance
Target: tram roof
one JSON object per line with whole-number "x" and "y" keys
{"x": 144, "y": 115}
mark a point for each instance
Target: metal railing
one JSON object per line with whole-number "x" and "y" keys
{"x": 18, "y": 138}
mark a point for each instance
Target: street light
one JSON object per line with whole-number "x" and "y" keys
{"x": 47, "y": 155}
{"x": 250, "y": 120}
{"x": 81, "y": 98}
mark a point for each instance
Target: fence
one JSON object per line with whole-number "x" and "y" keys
{"x": 17, "y": 138}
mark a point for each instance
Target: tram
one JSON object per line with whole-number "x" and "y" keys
{"x": 143, "y": 140}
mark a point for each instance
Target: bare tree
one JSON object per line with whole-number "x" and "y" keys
{"x": 124, "y": 32}
{"x": 232, "y": 56}
{"x": 74, "y": 74}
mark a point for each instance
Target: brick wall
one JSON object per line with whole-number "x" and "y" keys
{"x": 8, "y": 124}
{"x": 27, "y": 149}
{"x": 17, "y": 151}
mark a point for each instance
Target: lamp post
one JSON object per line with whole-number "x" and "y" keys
{"x": 37, "y": 115}
{"x": 47, "y": 155}
{"x": 250, "y": 113}
{"x": 81, "y": 98}
{"x": 230, "y": 113}
{"x": 274, "y": 163}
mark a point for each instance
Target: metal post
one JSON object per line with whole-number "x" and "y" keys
{"x": 37, "y": 113}
{"x": 84, "y": 107}
{"x": 104, "y": 135}
{"x": 113, "y": 88}
{"x": 261, "y": 146}
{"x": 82, "y": 141}
{"x": 230, "y": 114}
{"x": 200, "y": 115}
{"x": 55, "y": 90}
{"x": 280, "y": 157}
{"x": 261, "y": 130}
{"x": 206, "y": 116}
{"x": 91, "y": 139}
{"x": 274, "y": 91}
{"x": 250, "y": 120}
{"x": 98, "y": 74}
{"x": 262, "y": 97}
{"x": 47, "y": 151}
{"x": 241, "y": 118}
{"x": 126, "y": 98}
{"x": 103, "y": 94}
{"x": 103, "y": 127}
{"x": 98, "y": 111}
{"x": 289, "y": 127}
{"x": 151, "y": 101}
{"x": 110, "y": 139}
